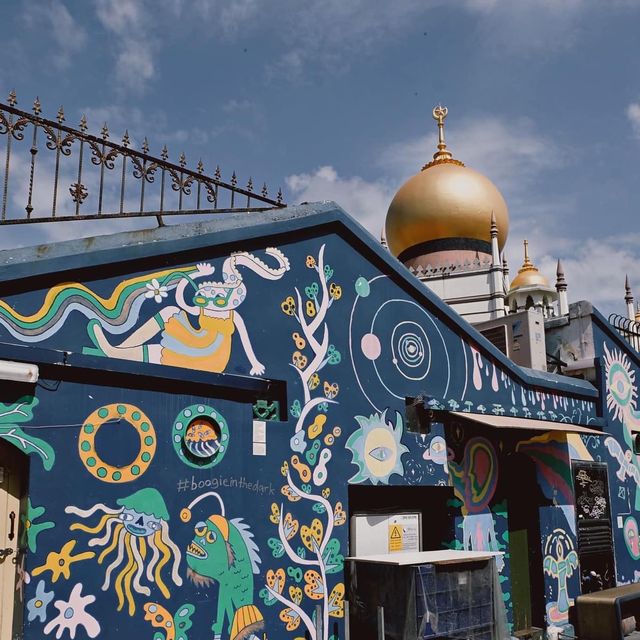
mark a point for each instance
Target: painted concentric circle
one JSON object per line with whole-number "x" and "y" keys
{"x": 411, "y": 351}
{"x": 87, "y": 448}
{"x": 398, "y": 348}
{"x": 200, "y": 436}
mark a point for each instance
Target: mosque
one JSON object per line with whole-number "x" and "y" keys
{"x": 269, "y": 424}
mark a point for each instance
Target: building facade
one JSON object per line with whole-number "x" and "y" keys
{"x": 214, "y": 401}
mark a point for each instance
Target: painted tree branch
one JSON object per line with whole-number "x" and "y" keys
{"x": 297, "y": 608}
{"x": 314, "y": 402}
{"x": 323, "y": 501}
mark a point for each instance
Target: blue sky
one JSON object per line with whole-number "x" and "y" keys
{"x": 331, "y": 100}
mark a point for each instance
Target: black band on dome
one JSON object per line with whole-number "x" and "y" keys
{"x": 445, "y": 244}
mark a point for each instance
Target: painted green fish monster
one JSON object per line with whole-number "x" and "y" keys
{"x": 223, "y": 551}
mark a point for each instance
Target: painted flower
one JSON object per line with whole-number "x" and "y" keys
{"x": 156, "y": 291}
{"x": 59, "y": 563}
{"x": 72, "y": 614}
{"x": 37, "y": 606}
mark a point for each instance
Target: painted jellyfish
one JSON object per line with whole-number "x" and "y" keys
{"x": 138, "y": 533}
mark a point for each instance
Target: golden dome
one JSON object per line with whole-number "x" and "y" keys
{"x": 445, "y": 200}
{"x": 528, "y": 274}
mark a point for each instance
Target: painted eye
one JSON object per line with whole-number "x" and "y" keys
{"x": 200, "y": 529}
{"x": 211, "y": 536}
{"x": 126, "y": 517}
{"x": 153, "y": 526}
{"x": 437, "y": 447}
{"x": 380, "y": 453}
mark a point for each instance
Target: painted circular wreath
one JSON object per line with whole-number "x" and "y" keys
{"x": 95, "y": 465}
{"x": 200, "y": 436}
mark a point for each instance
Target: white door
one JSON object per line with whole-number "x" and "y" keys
{"x": 12, "y": 487}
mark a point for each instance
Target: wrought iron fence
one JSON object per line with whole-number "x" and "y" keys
{"x": 628, "y": 329}
{"x": 51, "y": 180}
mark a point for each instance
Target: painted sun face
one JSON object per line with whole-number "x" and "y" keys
{"x": 381, "y": 452}
{"x": 621, "y": 390}
{"x": 376, "y": 448}
{"x": 619, "y": 384}
{"x": 139, "y": 524}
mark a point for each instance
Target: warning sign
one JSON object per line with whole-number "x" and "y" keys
{"x": 395, "y": 537}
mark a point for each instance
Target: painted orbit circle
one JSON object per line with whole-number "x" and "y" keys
{"x": 202, "y": 454}
{"x": 95, "y": 465}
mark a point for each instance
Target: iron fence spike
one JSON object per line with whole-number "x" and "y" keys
{"x": 83, "y": 123}
{"x": 60, "y": 117}
{"x": 105, "y": 131}
{"x": 37, "y": 107}
{"x": 12, "y": 98}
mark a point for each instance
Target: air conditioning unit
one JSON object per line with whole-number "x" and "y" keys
{"x": 520, "y": 336}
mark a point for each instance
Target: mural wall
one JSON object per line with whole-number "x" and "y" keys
{"x": 619, "y": 383}
{"x": 172, "y": 525}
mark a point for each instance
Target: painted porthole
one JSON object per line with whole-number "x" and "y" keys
{"x": 200, "y": 436}
{"x": 87, "y": 446}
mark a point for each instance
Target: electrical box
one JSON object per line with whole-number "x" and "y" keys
{"x": 377, "y": 533}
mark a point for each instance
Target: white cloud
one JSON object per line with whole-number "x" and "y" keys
{"x": 54, "y": 19}
{"x": 510, "y": 153}
{"x": 140, "y": 124}
{"x": 327, "y": 36}
{"x": 595, "y": 269}
{"x": 523, "y": 26}
{"x": 134, "y": 64}
{"x": 131, "y": 23}
{"x": 513, "y": 154}
{"x": 633, "y": 115}
{"x": 365, "y": 201}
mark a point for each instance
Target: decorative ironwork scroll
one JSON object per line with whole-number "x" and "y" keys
{"x": 52, "y": 179}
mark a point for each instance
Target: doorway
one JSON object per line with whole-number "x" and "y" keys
{"x": 519, "y": 485}
{"x": 13, "y": 489}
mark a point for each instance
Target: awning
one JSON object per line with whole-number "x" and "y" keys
{"x": 507, "y": 422}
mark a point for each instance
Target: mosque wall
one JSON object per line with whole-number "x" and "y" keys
{"x": 166, "y": 513}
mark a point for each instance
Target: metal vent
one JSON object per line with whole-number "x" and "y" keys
{"x": 497, "y": 336}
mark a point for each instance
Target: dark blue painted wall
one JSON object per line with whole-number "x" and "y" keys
{"x": 358, "y": 340}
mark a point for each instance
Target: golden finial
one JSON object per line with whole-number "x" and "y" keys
{"x": 439, "y": 114}
{"x": 527, "y": 262}
{"x": 443, "y": 154}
